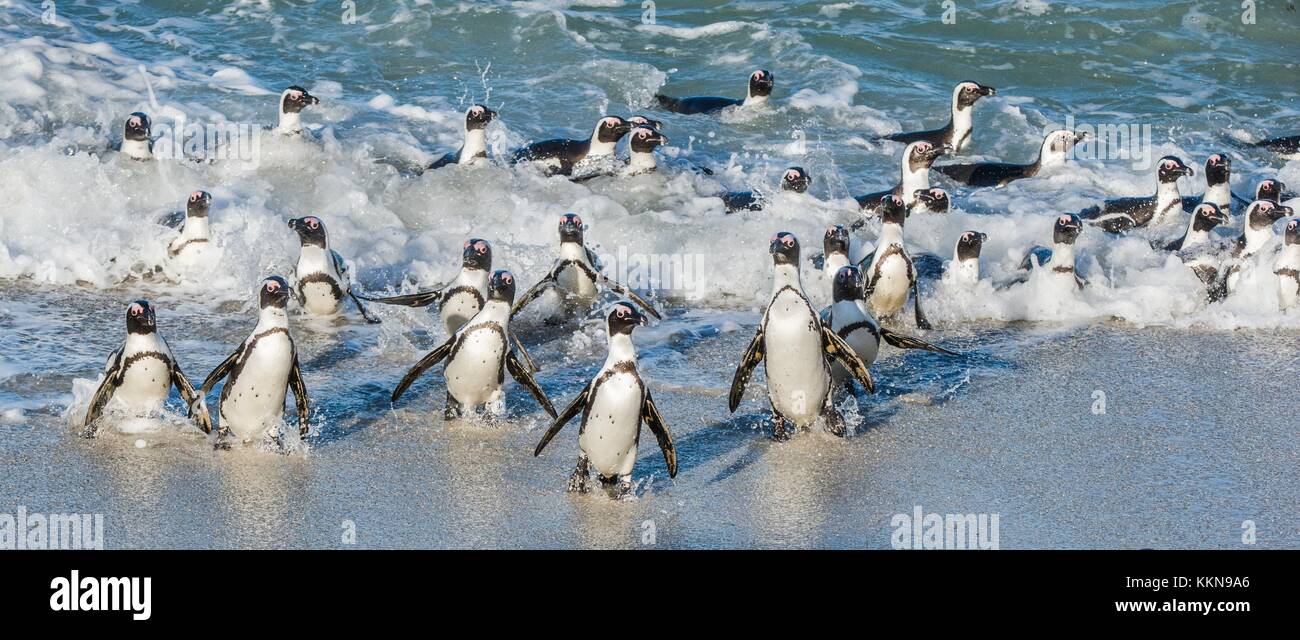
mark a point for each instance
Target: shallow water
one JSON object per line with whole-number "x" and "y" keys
{"x": 1197, "y": 436}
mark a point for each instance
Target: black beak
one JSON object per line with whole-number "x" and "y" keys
{"x": 988, "y": 91}
{"x": 1281, "y": 211}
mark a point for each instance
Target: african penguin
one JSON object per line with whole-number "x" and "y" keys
{"x": 1122, "y": 214}
{"x": 956, "y": 134}
{"x": 643, "y": 121}
{"x": 562, "y": 156}
{"x": 1198, "y": 249}
{"x": 1054, "y": 151}
{"x": 478, "y": 355}
{"x": 794, "y": 180}
{"x": 259, "y": 374}
{"x": 1060, "y": 258}
{"x": 463, "y": 297}
{"x": 760, "y": 88}
{"x": 892, "y": 276}
{"x": 1272, "y": 190}
{"x": 1205, "y": 218}
{"x": 321, "y": 279}
{"x": 1287, "y": 267}
{"x": 1218, "y": 187}
{"x": 797, "y": 350}
{"x": 965, "y": 265}
{"x": 292, "y": 101}
{"x": 1282, "y": 145}
{"x": 139, "y": 374}
{"x": 835, "y": 251}
{"x": 641, "y": 146}
{"x": 914, "y": 173}
{"x": 613, "y": 406}
{"x": 932, "y": 200}
{"x": 193, "y": 237}
{"x": 1258, "y": 234}
{"x": 136, "y": 142}
{"x": 575, "y": 277}
{"x": 474, "y": 149}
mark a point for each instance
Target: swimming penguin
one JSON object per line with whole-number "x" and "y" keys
{"x": 835, "y": 251}
{"x": 1122, "y": 214}
{"x": 1052, "y": 154}
{"x": 850, "y": 319}
{"x": 136, "y": 143}
{"x": 260, "y": 374}
{"x": 1218, "y": 190}
{"x": 140, "y": 373}
{"x": 1260, "y": 217}
{"x": 1283, "y": 145}
{"x": 1060, "y": 258}
{"x": 965, "y": 265}
{"x": 892, "y": 276}
{"x": 474, "y": 149}
{"x": 956, "y": 134}
{"x": 613, "y": 406}
{"x": 932, "y": 200}
{"x": 1198, "y": 249}
{"x": 797, "y": 350}
{"x": 760, "y": 88}
{"x": 321, "y": 277}
{"x": 292, "y": 101}
{"x": 576, "y": 275}
{"x": 562, "y": 156}
{"x": 914, "y": 173}
{"x": 644, "y": 121}
{"x": 642, "y": 143}
{"x": 794, "y": 180}
{"x": 194, "y": 232}
{"x": 1274, "y": 191}
{"x": 1287, "y": 267}
{"x": 1205, "y": 218}
{"x": 478, "y": 355}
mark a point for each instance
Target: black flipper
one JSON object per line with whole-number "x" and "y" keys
{"x": 220, "y": 372}
{"x": 430, "y": 359}
{"x": 650, "y": 414}
{"x": 528, "y": 360}
{"x": 840, "y": 350}
{"x": 533, "y": 293}
{"x": 921, "y": 322}
{"x": 445, "y": 160}
{"x": 175, "y": 220}
{"x": 520, "y": 373}
{"x": 908, "y": 342}
{"x": 419, "y": 299}
{"x": 927, "y": 265}
{"x": 365, "y": 313}
{"x": 619, "y": 289}
{"x": 112, "y": 379}
{"x": 576, "y": 406}
{"x": 190, "y": 396}
{"x": 300, "y": 398}
{"x": 753, "y": 355}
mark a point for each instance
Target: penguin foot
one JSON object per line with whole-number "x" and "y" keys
{"x": 223, "y": 440}
{"x": 578, "y": 481}
{"x": 779, "y": 431}
{"x": 454, "y": 409}
{"x": 834, "y": 422}
{"x": 623, "y": 490}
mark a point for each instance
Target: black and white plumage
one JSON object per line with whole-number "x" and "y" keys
{"x": 932, "y": 200}
{"x": 1060, "y": 258}
{"x": 794, "y": 180}
{"x": 641, "y": 145}
{"x": 321, "y": 279}
{"x": 474, "y": 149}
{"x": 292, "y": 101}
{"x": 914, "y": 176}
{"x": 259, "y": 375}
{"x": 1273, "y": 190}
{"x": 957, "y": 133}
{"x": 568, "y": 157}
{"x": 137, "y": 143}
{"x": 760, "y": 89}
{"x": 1121, "y": 214}
{"x": 1258, "y": 234}
{"x": 965, "y": 266}
{"x": 1287, "y": 267}
{"x": 1052, "y": 154}
{"x": 891, "y": 276}
{"x": 1199, "y": 250}
{"x": 478, "y": 355}
{"x": 797, "y": 350}
{"x": 139, "y": 374}
{"x": 835, "y": 251}
{"x": 1282, "y": 145}
{"x": 463, "y": 297}
{"x": 613, "y": 406}
{"x": 1218, "y": 186}
{"x": 575, "y": 278}
{"x": 193, "y": 238}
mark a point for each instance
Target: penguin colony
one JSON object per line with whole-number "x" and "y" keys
{"x": 811, "y": 357}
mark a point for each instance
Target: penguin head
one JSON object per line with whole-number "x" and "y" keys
{"x": 140, "y": 318}
{"x": 969, "y": 244}
{"x": 892, "y": 210}
{"x": 795, "y": 179}
{"x": 197, "y": 206}
{"x": 1057, "y": 144}
{"x": 612, "y": 129}
{"x": 295, "y": 99}
{"x": 966, "y": 94}
{"x": 1270, "y": 190}
{"x": 501, "y": 286}
{"x": 785, "y": 248}
{"x": 476, "y": 255}
{"x": 137, "y": 127}
{"x": 311, "y": 231}
{"x": 1292, "y": 236}
{"x": 836, "y": 240}
{"x": 934, "y": 199}
{"x": 1208, "y": 216}
{"x": 274, "y": 293}
{"x": 1263, "y": 213}
{"x": 1170, "y": 169}
{"x": 642, "y": 121}
{"x": 1067, "y": 228}
{"x": 645, "y": 139}
{"x": 922, "y": 154}
{"x": 760, "y": 83}
{"x": 1218, "y": 168}
{"x": 478, "y": 117}
{"x": 848, "y": 284}
{"x": 623, "y": 318}
{"x": 571, "y": 228}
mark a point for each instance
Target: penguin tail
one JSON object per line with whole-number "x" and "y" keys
{"x": 666, "y": 101}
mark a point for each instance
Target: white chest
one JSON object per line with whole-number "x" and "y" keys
{"x": 609, "y": 437}
{"x": 476, "y": 370}
{"x": 253, "y": 399}
{"x": 797, "y": 376}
